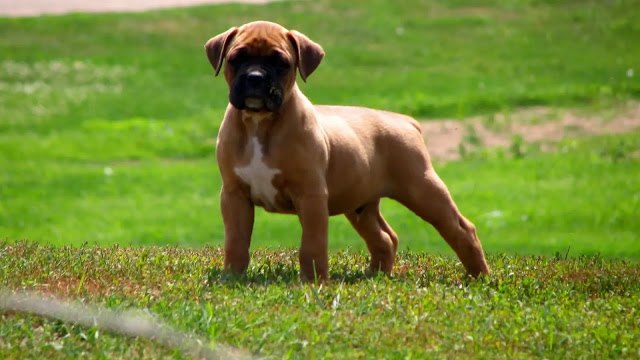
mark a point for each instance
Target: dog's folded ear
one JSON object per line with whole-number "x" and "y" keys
{"x": 217, "y": 47}
{"x": 310, "y": 54}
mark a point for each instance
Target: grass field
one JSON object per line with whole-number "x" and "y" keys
{"x": 108, "y": 122}
{"x": 531, "y": 307}
{"x": 107, "y": 131}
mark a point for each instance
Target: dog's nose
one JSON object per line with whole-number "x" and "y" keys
{"x": 255, "y": 78}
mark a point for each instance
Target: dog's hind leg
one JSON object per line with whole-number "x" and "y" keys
{"x": 428, "y": 197}
{"x": 381, "y": 240}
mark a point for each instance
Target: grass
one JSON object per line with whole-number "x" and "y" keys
{"x": 548, "y": 307}
{"x": 540, "y": 203}
{"x": 430, "y": 58}
{"x": 107, "y": 131}
{"x": 108, "y": 121}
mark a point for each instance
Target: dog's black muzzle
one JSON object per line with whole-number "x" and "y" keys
{"x": 256, "y": 87}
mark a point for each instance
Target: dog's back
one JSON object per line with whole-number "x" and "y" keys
{"x": 375, "y": 145}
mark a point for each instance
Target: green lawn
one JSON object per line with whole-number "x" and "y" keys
{"x": 531, "y": 307}
{"x": 108, "y": 121}
{"x": 585, "y": 198}
{"x": 107, "y": 169}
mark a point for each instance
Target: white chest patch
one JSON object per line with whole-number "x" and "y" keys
{"x": 259, "y": 176}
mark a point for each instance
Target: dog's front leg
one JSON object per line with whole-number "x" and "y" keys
{"x": 314, "y": 218}
{"x": 237, "y": 214}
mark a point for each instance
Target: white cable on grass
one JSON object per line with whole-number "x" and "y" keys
{"x": 128, "y": 322}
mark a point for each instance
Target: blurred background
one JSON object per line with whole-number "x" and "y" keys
{"x": 108, "y": 120}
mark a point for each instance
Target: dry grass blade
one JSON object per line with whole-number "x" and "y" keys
{"x": 135, "y": 323}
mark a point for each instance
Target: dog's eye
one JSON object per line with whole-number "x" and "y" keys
{"x": 238, "y": 58}
{"x": 235, "y": 61}
{"x": 279, "y": 62}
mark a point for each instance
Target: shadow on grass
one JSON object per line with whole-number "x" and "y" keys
{"x": 282, "y": 275}
{"x": 269, "y": 267}
{"x": 529, "y": 276}
{"x": 346, "y": 267}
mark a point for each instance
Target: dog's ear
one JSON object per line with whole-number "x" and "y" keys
{"x": 217, "y": 47}
{"x": 309, "y": 53}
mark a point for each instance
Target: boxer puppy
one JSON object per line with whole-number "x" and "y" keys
{"x": 278, "y": 151}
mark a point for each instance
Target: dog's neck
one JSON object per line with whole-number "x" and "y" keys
{"x": 256, "y": 123}
{"x": 253, "y": 120}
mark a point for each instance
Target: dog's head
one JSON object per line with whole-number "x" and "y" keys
{"x": 262, "y": 58}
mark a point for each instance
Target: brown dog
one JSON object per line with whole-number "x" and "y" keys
{"x": 277, "y": 150}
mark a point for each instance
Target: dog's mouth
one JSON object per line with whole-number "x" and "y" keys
{"x": 254, "y": 103}
{"x": 256, "y": 100}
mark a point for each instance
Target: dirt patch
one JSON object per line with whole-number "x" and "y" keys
{"x": 537, "y": 124}
{"x": 39, "y": 7}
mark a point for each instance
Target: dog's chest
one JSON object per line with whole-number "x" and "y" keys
{"x": 259, "y": 177}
